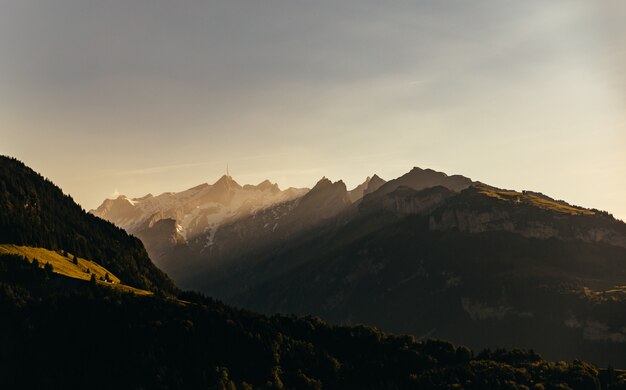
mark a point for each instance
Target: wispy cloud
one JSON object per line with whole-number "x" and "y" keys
{"x": 150, "y": 170}
{"x": 174, "y": 167}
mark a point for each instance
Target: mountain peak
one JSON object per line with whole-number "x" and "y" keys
{"x": 364, "y": 188}
{"x": 423, "y": 178}
{"x": 265, "y": 185}
{"x": 373, "y": 184}
{"x": 326, "y": 186}
{"x": 268, "y": 185}
{"x": 323, "y": 182}
{"x": 417, "y": 179}
{"x": 325, "y": 200}
{"x": 418, "y": 170}
{"x": 147, "y": 196}
{"x": 227, "y": 182}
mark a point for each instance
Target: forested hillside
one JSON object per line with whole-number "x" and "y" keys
{"x": 61, "y": 333}
{"x": 35, "y": 212}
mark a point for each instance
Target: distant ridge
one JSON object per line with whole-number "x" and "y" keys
{"x": 176, "y": 225}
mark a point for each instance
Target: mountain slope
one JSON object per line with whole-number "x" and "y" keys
{"x": 34, "y": 212}
{"x": 240, "y": 243}
{"x": 246, "y": 248}
{"x": 421, "y": 257}
{"x": 475, "y": 267}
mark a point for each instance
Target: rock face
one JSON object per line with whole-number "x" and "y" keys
{"x": 529, "y": 214}
{"x": 478, "y": 222}
{"x": 407, "y": 201}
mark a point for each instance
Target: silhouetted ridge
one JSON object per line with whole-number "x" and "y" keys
{"x": 417, "y": 179}
{"x": 367, "y": 186}
{"x": 325, "y": 189}
{"x": 374, "y": 184}
{"x": 147, "y": 196}
{"x": 265, "y": 185}
{"x": 325, "y": 200}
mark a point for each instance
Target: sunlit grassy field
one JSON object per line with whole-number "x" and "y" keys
{"x": 62, "y": 263}
{"x": 534, "y": 200}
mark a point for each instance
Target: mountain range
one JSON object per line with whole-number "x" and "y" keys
{"x": 190, "y": 218}
{"x": 426, "y": 253}
{"x": 83, "y": 306}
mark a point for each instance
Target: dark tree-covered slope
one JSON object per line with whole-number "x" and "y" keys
{"x": 35, "y": 212}
{"x": 60, "y": 333}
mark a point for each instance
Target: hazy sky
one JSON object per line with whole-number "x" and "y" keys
{"x": 138, "y": 96}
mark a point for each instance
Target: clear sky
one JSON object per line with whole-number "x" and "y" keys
{"x": 138, "y": 96}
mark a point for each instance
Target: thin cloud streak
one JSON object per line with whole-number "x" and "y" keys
{"x": 174, "y": 167}
{"x": 144, "y": 171}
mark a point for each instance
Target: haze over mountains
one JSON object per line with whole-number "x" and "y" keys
{"x": 425, "y": 253}
{"x": 200, "y": 209}
{"x": 191, "y": 219}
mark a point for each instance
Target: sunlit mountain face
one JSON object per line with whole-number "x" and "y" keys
{"x": 187, "y": 224}
{"x": 197, "y": 211}
{"x": 172, "y": 222}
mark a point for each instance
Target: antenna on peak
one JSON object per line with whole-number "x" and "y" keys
{"x": 227, "y": 174}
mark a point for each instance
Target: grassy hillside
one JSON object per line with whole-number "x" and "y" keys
{"x": 34, "y": 212}
{"x": 63, "y": 264}
{"x": 533, "y": 199}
